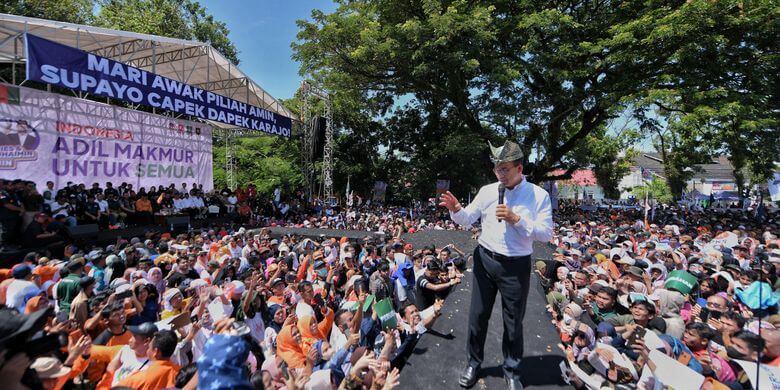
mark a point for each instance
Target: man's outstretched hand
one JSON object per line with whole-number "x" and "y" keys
{"x": 450, "y": 202}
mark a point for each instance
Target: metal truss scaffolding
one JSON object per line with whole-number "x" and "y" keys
{"x": 309, "y": 142}
{"x": 190, "y": 62}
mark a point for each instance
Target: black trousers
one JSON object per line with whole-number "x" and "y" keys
{"x": 511, "y": 278}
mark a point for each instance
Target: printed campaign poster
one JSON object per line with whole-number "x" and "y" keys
{"x": 50, "y": 137}
{"x": 57, "y": 64}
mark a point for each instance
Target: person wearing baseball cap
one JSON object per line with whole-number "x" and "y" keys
{"x": 21, "y": 288}
{"x": 79, "y": 308}
{"x": 35, "y": 234}
{"x": 277, "y": 287}
{"x": 70, "y": 286}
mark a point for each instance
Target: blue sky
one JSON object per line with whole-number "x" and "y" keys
{"x": 262, "y": 30}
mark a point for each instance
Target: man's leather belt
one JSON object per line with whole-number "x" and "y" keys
{"x": 499, "y": 257}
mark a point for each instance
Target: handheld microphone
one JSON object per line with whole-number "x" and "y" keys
{"x": 501, "y": 190}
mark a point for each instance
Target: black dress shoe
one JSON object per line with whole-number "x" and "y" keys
{"x": 513, "y": 383}
{"x": 469, "y": 376}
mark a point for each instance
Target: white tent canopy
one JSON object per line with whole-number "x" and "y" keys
{"x": 190, "y": 62}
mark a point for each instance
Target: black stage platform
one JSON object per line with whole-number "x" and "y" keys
{"x": 441, "y": 354}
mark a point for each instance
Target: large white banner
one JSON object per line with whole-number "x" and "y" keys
{"x": 50, "y": 137}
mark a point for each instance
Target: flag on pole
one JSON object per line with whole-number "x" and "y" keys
{"x": 647, "y": 208}
{"x": 349, "y": 194}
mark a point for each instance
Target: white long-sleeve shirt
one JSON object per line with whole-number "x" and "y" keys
{"x": 529, "y": 201}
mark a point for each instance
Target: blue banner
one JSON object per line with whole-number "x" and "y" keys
{"x": 57, "y": 64}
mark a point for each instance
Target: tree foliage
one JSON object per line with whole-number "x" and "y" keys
{"x": 656, "y": 189}
{"x": 612, "y": 157}
{"x": 184, "y": 19}
{"x": 725, "y": 98}
{"x": 267, "y": 162}
{"x": 72, "y": 11}
{"x": 548, "y": 74}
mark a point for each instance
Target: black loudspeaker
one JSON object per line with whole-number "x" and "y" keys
{"x": 84, "y": 232}
{"x": 178, "y": 223}
{"x": 319, "y": 137}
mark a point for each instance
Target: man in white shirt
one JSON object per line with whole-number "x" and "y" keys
{"x": 102, "y": 203}
{"x": 502, "y": 261}
{"x": 133, "y": 357}
{"x": 62, "y": 207}
{"x": 22, "y": 288}
{"x": 178, "y": 203}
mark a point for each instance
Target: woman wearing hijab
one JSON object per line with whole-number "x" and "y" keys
{"x": 275, "y": 378}
{"x": 562, "y": 274}
{"x": 276, "y": 315}
{"x": 311, "y": 331}
{"x": 584, "y": 342}
{"x": 658, "y": 274}
{"x": 173, "y": 302}
{"x": 288, "y": 346}
{"x": 155, "y": 278}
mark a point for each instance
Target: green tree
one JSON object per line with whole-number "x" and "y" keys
{"x": 72, "y": 11}
{"x": 725, "y": 100}
{"x": 548, "y": 74}
{"x": 184, "y": 19}
{"x": 681, "y": 147}
{"x": 611, "y": 157}
{"x": 656, "y": 189}
{"x": 265, "y": 161}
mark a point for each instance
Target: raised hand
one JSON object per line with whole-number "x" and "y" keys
{"x": 450, "y": 202}
{"x": 224, "y": 326}
{"x": 392, "y": 379}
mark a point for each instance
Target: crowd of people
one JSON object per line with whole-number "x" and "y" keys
{"x": 221, "y": 309}
{"x": 687, "y": 300}
{"x": 31, "y": 218}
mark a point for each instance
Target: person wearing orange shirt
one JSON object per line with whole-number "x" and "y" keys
{"x": 278, "y": 288}
{"x": 311, "y": 331}
{"x": 116, "y": 333}
{"x": 161, "y": 372}
{"x": 288, "y": 344}
{"x": 45, "y": 272}
{"x": 143, "y": 210}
